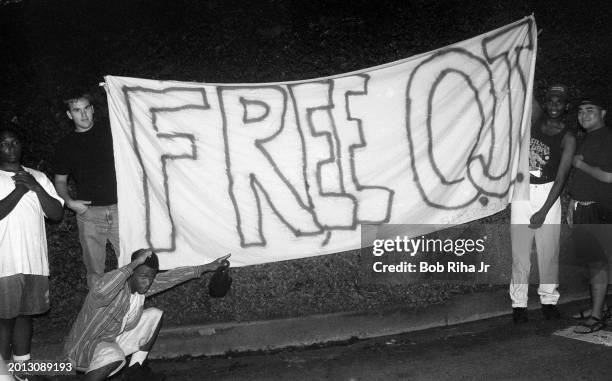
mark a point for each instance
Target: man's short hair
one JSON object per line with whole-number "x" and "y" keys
{"x": 13, "y": 132}
{"x": 152, "y": 261}
{"x": 592, "y": 99}
{"x": 74, "y": 94}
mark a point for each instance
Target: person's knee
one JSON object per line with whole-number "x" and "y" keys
{"x": 103, "y": 372}
{"x": 23, "y": 319}
{"x": 155, "y": 313}
{"x": 153, "y": 318}
{"x": 598, "y": 268}
{"x": 7, "y": 324}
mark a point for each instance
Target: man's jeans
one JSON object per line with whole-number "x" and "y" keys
{"x": 97, "y": 225}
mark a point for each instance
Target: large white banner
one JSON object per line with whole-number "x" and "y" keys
{"x": 278, "y": 171}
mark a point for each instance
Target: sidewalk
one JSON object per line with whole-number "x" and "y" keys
{"x": 223, "y": 338}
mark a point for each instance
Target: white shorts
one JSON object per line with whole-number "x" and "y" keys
{"x": 127, "y": 342}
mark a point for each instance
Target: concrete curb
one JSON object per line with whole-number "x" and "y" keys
{"x": 219, "y": 339}
{"x": 223, "y": 338}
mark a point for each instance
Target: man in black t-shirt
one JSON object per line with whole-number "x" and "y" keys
{"x": 551, "y": 149}
{"x": 590, "y": 210}
{"x": 86, "y": 154}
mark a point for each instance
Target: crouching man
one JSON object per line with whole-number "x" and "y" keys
{"x": 112, "y": 323}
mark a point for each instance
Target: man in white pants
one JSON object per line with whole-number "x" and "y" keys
{"x": 113, "y": 323}
{"x": 551, "y": 150}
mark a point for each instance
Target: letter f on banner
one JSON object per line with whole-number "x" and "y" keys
{"x": 159, "y": 126}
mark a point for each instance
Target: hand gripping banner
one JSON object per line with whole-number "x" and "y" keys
{"x": 278, "y": 171}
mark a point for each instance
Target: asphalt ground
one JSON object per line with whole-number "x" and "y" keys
{"x": 483, "y": 349}
{"x": 489, "y": 349}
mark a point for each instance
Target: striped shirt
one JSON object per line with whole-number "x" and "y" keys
{"x": 105, "y": 307}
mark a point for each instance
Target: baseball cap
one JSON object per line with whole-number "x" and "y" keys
{"x": 591, "y": 100}
{"x": 558, "y": 90}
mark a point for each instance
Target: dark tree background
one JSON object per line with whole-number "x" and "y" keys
{"x": 50, "y": 45}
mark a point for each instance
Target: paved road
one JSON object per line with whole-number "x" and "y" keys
{"x": 492, "y": 349}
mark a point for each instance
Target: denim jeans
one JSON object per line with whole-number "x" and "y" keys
{"x": 97, "y": 225}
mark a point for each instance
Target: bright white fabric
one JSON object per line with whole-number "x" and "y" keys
{"x": 23, "y": 241}
{"x": 138, "y": 357}
{"x": 547, "y": 247}
{"x": 278, "y": 171}
{"x": 22, "y": 358}
{"x": 136, "y": 304}
{"x": 126, "y": 343}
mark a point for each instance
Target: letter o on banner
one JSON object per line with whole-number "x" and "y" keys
{"x": 426, "y": 79}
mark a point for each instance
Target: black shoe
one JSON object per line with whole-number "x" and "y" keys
{"x": 30, "y": 377}
{"x": 139, "y": 372}
{"x": 550, "y": 312}
{"x": 519, "y": 315}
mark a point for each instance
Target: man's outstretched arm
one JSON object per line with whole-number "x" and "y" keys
{"x": 171, "y": 278}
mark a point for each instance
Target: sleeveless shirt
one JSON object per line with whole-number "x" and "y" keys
{"x": 544, "y": 155}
